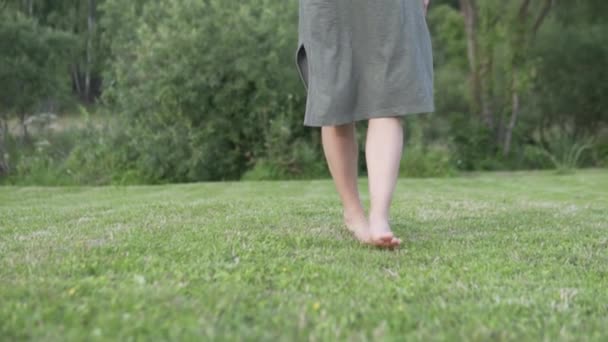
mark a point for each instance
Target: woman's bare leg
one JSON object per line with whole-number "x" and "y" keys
{"x": 341, "y": 152}
{"x": 383, "y": 150}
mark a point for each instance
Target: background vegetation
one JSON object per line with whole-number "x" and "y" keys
{"x": 115, "y": 92}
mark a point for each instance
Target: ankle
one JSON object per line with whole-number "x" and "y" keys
{"x": 378, "y": 217}
{"x": 349, "y": 213}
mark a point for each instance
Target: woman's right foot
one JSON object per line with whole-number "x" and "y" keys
{"x": 381, "y": 234}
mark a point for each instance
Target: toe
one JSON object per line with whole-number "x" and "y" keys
{"x": 386, "y": 241}
{"x": 395, "y": 242}
{"x": 383, "y": 241}
{"x": 387, "y": 238}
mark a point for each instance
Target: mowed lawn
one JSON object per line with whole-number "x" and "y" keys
{"x": 490, "y": 256}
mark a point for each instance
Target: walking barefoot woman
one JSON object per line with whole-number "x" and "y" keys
{"x": 363, "y": 59}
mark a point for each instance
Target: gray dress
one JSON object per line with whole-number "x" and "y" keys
{"x": 361, "y": 59}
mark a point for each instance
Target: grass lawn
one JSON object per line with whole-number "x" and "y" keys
{"x": 490, "y": 256}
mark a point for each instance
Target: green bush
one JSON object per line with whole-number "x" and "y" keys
{"x": 101, "y": 155}
{"x": 427, "y": 161}
{"x": 473, "y": 145}
{"x": 201, "y": 85}
{"x": 70, "y": 155}
{"x": 38, "y": 166}
{"x": 422, "y": 158}
{"x": 38, "y": 160}
{"x": 563, "y": 149}
{"x": 287, "y": 156}
{"x": 600, "y": 150}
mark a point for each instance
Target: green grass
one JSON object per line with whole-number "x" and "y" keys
{"x": 490, "y": 256}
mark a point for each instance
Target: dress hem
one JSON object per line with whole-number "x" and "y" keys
{"x": 399, "y": 111}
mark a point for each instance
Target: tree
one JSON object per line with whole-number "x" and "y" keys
{"x": 79, "y": 18}
{"x": 499, "y": 38}
{"x": 570, "y": 86}
{"x": 32, "y": 68}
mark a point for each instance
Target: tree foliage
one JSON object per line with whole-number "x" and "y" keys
{"x": 32, "y": 69}
{"x": 208, "y": 90}
{"x": 220, "y": 72}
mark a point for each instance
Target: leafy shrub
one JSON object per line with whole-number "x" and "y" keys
{"x": 600, "y": 150}
{"x": 101, "y": 155}
{"x": 200, "y": 84}
{"x": 421, "y": 158}
{"x": 38, "y": 166}
{"x": 426, "y": 161}
{"x": 287, "y": 157}
{"x": 473, "y": 145}
{"x": 563, "y": 150}
{"x": 38, "y": 159}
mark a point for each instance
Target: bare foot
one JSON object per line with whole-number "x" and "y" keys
{"x": 381, "y": 234}
{"x": 357, "y": 224}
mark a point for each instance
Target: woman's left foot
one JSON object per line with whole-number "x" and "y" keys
{"x": 357, "y": 224}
